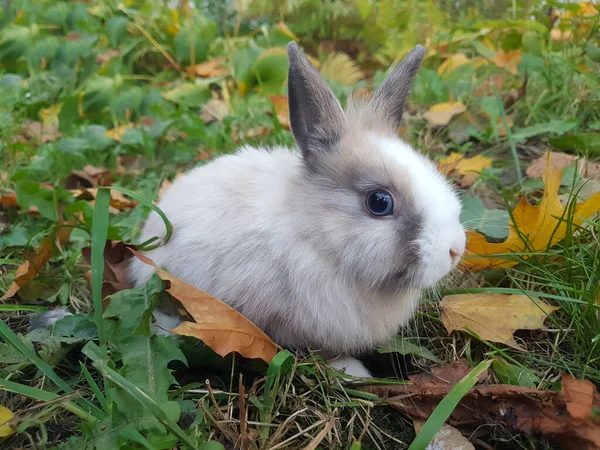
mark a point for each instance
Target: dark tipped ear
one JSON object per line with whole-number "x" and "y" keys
{"x": 390, "y": 97}
{"x": 316, "y": 116}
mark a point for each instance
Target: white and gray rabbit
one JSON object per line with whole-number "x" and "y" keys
{"x": 326, "y": 248}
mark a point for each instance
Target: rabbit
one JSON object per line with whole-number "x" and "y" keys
{"x": 325, "y": 247}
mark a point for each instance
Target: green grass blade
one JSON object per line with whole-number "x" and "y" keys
{"x": 95, "y": 388}
{"x": 446, "y": 406}
{"x": 156, "y": 209}
{"x": 44, "y": 396}
{"x": 146, "y": 400}
{"x": 17, "y": 308}
{"x": 99, "y": 234}
{"x": 511, "y": 141}
{"x": 10, "y": 336}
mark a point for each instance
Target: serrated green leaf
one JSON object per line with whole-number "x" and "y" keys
{"x": 31, "y": 193}
{"x": 132, "y": 306}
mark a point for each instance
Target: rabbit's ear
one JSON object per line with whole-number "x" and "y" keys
{"x": 316, "y": 116}
{"x": 390, "y": 97}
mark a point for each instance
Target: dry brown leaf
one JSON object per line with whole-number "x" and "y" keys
{"x": 447, "y": 438}
{"x": 508, "y": 61}
{"x": 103, "y": 58}
{"x": 35, "y": 130}
{"x": 541, "y": 226}
{"x": 517, "y": 408}
{"x": 217, "y": 324}
{"x": 116, "y": 264}
{"x": 494, "y": 317}
{"x": 37, "y": 259}
{"x": 214, "y": 109}
{"x": 579, "y": 396}
{"x": 89, "y": 176}
{"x": 561, "y": 160}
{"x": 117, "y": 199}
{"x": 467, "y": 169}
{"x": 442, "y": 113}
{"x": 209, "y": 69}
{"x": 447, "y": 374}
{"x": 281, "y": 106}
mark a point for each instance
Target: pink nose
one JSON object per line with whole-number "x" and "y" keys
{"x": 455, "y": 255}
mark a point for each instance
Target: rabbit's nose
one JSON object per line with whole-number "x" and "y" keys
{"x": 455, "y": 254}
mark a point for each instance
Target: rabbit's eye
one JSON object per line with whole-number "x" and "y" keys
{"x": 380, "y": 203}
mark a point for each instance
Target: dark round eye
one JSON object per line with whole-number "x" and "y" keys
{"x": 380, "y": 203}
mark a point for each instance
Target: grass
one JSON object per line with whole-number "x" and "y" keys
{"x": 105, "y": 84}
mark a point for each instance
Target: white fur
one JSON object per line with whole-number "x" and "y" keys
{"x": 438, "y": 203}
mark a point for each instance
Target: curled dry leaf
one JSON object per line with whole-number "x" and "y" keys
{"x": 214, "y": 109}
{"x": 442, "y": 113}
{"x": 466, "y": 168}
{"x": 561, "y": 160}
{"x": 90, "y": 176}
{"x": 36, "y": 260}
{"x": 527, "y": 410}
{"x": 116, "y": 263}
{"x": 281, "y": 106}
{"x": 447, "y": 374}
{"x": 217, "y": 324}
{"x": 494, "y": 317}
{"x": 209, "y": 69}
{"x": 36, "y": 131}
{"x": 508, "y": 61}
{"x": 117, "y": 199}
{"x": 447, "y": 438}
{"x": 533, "y": 228}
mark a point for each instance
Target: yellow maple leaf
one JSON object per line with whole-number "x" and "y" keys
{"x": 494, "y": 317}
{"x": 452, "y": 63}
{"x": 6, "y": 425}
{"x": 442, "y": 113}
{"x": 533, "y": 228}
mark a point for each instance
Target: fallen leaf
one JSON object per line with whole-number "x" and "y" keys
{"x": 447, "y": 438}
{"x": 116, "y": 265}
{"x": 587, "y": 9}
{"x": 452, "y": 63}
{"x": 89, "y": 176}
{"x": 117, "y": 199}
{"x": 579, "y": 396}
{"x": 494, "y": 317}
{"x": 103, "y": 58}
{"x": 37, "y": 259}
{"x": 561, "y": 160}
{"x": 447, "y": 374}
{"x": 558, "y": 35}
{"x": 518, "y": 408}
{"x": 6, "y": 425}
{"x": 217, "y": 324}
{"x": 467, "y": 169}
{"x": 532, "y": 228}
{"x": 35, "y": 130}
{"x": 507, "y": 60}
{"x": 442, "y": 113}
{"x": 118, "y": 132}
{"x": 281, "y": 106}
{"x": 49, "y": 116}
{"x": 214, "y": 109}
{"x": 209, "y": 69}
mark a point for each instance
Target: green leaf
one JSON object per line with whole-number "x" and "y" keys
{"x": 585, "y": 142}
{"x": 204, "y": 33}
{"x": 554, "y": 126}
{"x": 511, "y": 374}
{"x": 72, "y": 145}
{"x": 404, "y": 347}
{"x": 116, "y": 30}
{"x": 189, "y": 94}
{"x": 491, "y": 222}
{"x": 131, "y": 306}
{"x": 270, "y": 70}
{"x": 31, "y": 193}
